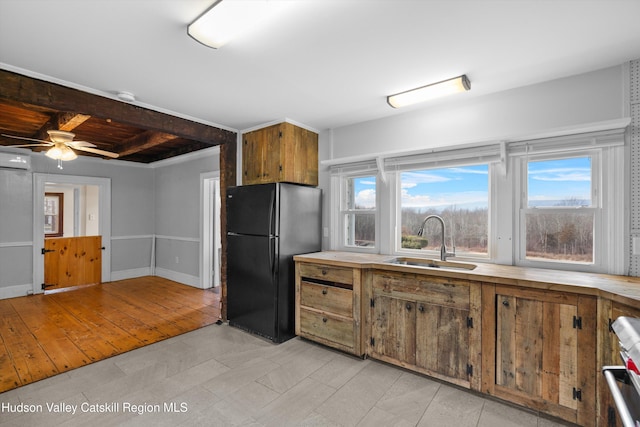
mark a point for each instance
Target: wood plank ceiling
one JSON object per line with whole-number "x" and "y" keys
{"x": 30, "y": 107}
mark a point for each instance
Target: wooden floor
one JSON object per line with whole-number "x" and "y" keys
{"x": 44, "y": 335}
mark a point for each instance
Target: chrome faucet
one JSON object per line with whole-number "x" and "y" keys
{"x": 443, "y": 249}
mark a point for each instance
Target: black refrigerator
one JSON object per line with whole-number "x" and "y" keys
{"x": 267, "y": 224}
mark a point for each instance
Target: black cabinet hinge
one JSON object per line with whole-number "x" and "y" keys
{"x": 44, "y": 251}
{"x": 372, "y": 341}
{"x": 469, "y": 322}
{"x": 611, "y": 416}
{"x": 577, "y": 394}
{"x": 577, "y": 322}
{"x": 610, "y": 325}
{"x": 280, "y": 168}
{"x": 470, "y": 370}
{"x": 45, "y": 286}
{"x": 372, "y": 303}
{"x": 280, "y": 134}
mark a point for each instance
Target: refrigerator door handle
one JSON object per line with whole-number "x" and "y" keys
{"x": 272, "y": 257}
{"x": 272, "y": 211}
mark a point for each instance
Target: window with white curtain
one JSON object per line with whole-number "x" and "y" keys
{"x": 559, "y": 209}
{"x": 459, "y": 195}
{"x": 555, "y": 202}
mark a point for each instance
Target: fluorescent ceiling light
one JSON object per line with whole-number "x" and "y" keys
{"x": 225, "y": 19}
{"x": 432, "y": 91}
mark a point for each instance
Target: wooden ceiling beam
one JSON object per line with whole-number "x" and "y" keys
{"x": 26, "y": 90}
{"x": 61, "y": 121}
{"x": 143, "y": 141}
{"x": 69, "y": 121}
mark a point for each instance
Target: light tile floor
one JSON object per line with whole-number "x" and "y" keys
{"x": 222, "y": 376}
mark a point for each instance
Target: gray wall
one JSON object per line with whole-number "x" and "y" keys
{"x": 145, "y": 201}
{"x": 16, "y": 228}
{"x": 177, "y": 220}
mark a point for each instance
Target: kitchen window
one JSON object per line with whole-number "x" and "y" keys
{"x": 460, "y": 195}
{"x": 358, "y": 211}
{"x": 556, "y": 202}
{"x": 559, "y": 212}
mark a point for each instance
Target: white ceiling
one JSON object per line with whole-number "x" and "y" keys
{"x": 322, "y": 63}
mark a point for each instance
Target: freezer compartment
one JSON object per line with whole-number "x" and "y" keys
{"x": 251, "y": 209}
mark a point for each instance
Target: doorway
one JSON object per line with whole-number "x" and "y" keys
{"x": 210, "y": 239}
{"x": 98, "y": 198}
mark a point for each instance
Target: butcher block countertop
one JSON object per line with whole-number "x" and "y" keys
{"x": 623, "y": 289}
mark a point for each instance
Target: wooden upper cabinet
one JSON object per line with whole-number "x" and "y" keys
{"x": 280, "y": 153}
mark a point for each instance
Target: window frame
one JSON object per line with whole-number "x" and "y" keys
{"x": 523, "y": 209}
{"x": 340, "y": 184}
{"x": 608, "y": 149}
{"x": 397, "y": 220}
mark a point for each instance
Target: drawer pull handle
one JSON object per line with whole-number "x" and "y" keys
{"x": 324, "y": 272}
{"x": 324, "y": 291}
{"x": 505, "y": 303}
{"x": 408, "y": 306}
{"x": 324, "y": 320}
{"x": 421, "y": 308}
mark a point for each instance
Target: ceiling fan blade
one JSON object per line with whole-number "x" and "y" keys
{"x": 100, "y": 152}
{"x": 26, "y": 139}
{"x": 76, "y": 144}
{"x": 28, "y": 145}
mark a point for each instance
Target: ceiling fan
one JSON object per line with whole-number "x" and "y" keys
{"x": 62, "y": 145}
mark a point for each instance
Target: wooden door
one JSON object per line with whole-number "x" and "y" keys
{"x": 545, "y": 351}
{"x": 443, "y": 340}
{"x": 394, "y": 330}
{"x": 261, "y": 156}
{"x": 72, "y": 261}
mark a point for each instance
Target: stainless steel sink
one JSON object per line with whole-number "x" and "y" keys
{"x": 431, "y": 263}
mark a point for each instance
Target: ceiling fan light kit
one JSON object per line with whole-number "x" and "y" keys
{"x": 61, "y": 152}
{"x": 63, "y": 146}
{"x": 428, "y": 92}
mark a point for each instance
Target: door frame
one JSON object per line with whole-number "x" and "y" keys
{"x": 104, "y": 220}
{"x": 210, "y": 245}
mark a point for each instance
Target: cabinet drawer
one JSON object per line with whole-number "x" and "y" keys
{"x": 327, "y": 273}
{"x": 326, "y": 327}
{"x": 326, "y": 298}
{"x": 443, "y": 291}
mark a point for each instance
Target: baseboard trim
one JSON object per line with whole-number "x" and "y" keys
{"x": 16, "y": 291}
{"x": 185, "y": 279}
{"x": 130, "y": 274}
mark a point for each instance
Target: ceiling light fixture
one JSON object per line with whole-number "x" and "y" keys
{"x": 432, "y": 91}
{"x": 59, "y": 151}
{"x": 225, "y": 19}
{"x": 126, "y": 96}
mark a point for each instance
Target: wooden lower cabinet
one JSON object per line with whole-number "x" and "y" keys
{"x": 539, "y": 350}
{"x": 328, "y": 306}
{"x": 608, "y": 354}
{"x": 428, "y": 324}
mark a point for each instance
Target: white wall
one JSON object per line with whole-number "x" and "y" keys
{"x": 586, "y": 98}
{"x": 562, "y": 104}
